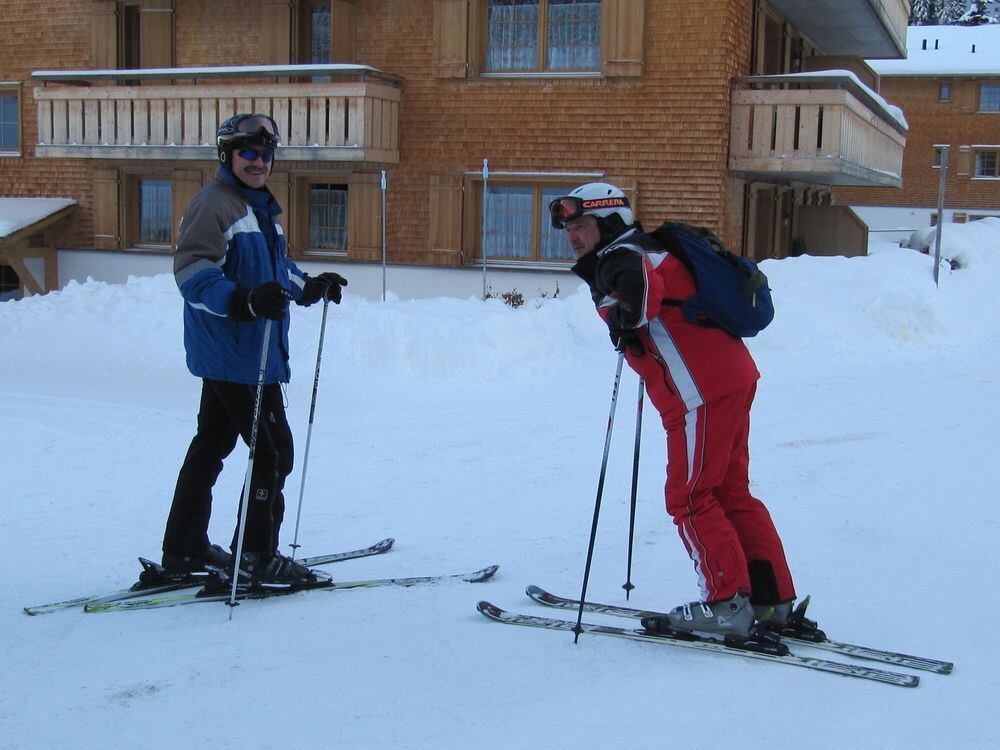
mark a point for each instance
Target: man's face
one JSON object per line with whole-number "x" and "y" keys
{"x": 251, "y": 172}
{"x": 583, "y": 235}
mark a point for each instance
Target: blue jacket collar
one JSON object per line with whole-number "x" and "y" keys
{"x": 260, "y": 200}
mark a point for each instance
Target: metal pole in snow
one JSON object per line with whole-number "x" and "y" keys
{"x": 383, "y": 236}
{"x": 309, "y": 431}
{"x": 486, "y": 177}
{"x": 597, "y": 503}
{"x": 245, "y": 502}
{"x": 940, "y": 213}
{"x": 628, "y": 586}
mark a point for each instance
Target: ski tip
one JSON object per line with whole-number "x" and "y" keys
{"x": 485, "y": 574}
{"x": 534, "y": 591}
{"x": 385, "y": 545}
{"x": 490, "y": 610}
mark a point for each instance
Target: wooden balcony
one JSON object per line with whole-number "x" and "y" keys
{"x": 830, "y": 130}
{"x": 861, "y": 28}
{"x": 352, "y": 115}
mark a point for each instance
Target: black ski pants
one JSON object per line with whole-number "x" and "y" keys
{"x": 225, "y": 414}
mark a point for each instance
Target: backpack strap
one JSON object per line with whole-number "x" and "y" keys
{"x": 666, "y": 236}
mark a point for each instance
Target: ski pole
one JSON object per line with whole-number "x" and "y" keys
{"x": 635, "y": 486}
{"x": 597, "y": 504}
{"x": 312, "y": 414}
{"x": 244, "y": 505}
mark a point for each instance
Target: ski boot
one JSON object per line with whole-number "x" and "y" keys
{"x": 792, "y": 623}
{"x": 180, "y": 568}
{"x": 258, "y": 570}
{"x": 729, "y": 617}
{"x": 730, "y": 621}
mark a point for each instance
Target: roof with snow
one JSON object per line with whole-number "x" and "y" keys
{"x": 946, "y": 50}
{"x": 20, "y": 213}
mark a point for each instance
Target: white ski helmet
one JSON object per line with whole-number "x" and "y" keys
{"x": 601, "y": 200}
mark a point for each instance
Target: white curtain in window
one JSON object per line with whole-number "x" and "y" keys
{"x": 512, "y": 35}
{"x": 507, "y": 222}
{"x": 986, "y": 164}
{"x": 327, "y": 217}
{"x": 154, "y": 211}
{"x": 573, "y": 36}
{"x": 554, "y": 245}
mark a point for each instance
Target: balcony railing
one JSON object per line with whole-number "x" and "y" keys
{"x": 862, "y": 28}
{"x": 845, "y": 135}
{"x": 351, "y": 115}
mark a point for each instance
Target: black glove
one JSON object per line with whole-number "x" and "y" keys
{"x": 624, "y": 339}
{"x": 269, "y": 300}
{"x": 327, "y": 285}
{"x": 627, "y": 341}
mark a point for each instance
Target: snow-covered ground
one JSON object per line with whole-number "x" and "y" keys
{"x": 472, "y": 433}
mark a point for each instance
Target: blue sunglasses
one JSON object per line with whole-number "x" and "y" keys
{"x": 252, "y": 154}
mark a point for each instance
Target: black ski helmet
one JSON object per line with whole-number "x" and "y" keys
{"x": 245, "y": 130}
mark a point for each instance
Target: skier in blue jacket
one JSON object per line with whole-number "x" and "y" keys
{"x": 234, "y": 274}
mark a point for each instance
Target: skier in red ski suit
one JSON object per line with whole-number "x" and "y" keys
{"x": 702, "y": 381}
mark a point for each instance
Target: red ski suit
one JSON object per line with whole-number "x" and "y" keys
{"x": 702, "y": 381}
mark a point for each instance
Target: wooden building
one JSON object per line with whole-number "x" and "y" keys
{"x": 949, "y": 88}
{"x": 710, "y": 113}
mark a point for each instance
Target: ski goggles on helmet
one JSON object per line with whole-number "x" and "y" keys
{"x": 257, "y": 125}
{"x": 252, "y": 154}
{"x": 570, "y": 207}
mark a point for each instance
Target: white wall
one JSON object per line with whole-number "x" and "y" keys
{"x": 365, "y": 279}
{"x": 897, "y": 223}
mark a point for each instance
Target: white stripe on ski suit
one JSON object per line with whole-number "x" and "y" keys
{"x": 677, "y": 368}
{"x": 687, "y": 528}
{"x": 247, "y": 223}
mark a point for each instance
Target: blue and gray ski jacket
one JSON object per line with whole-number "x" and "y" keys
{"x": 230, "y": 235}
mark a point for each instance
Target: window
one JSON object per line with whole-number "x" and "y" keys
{"x": 937, "y": 157}
{"x": 10, "y": 122}
{"x": 10, "y": 284}
{"x": 944, "y": 92}
{"x": 128, "y": 35}
{"x": 540, "y": 35}
{"x": 154, "y": 212}
{"x": 516, "y": 225}
{"x": 327, "y": 217}
{"x": 989, "y": 98}
{"x": 986, "y": 163}
{"x": 320, "y": 36}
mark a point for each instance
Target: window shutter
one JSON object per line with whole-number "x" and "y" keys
{"x": 276, "y": 32}
{"x": 364, "y": 217}
{"x": 968, "y": 95}
{"x": 622, "y": 28}
{"x": 342, "y": 31}
{"x": 104, "y": 35}
{"x": 107, "y": 233}
{"x": 445, "y": 226}
{"x": 184, "y": 184}
{"x": 156, "y": 33}
{"x": 964, "y": 161}
{"x": 451, "y": 34}
{"x": 278, "y": 184}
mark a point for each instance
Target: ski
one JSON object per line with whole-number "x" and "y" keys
{"x": 265, "y": 592}
{"x": 194, "y": 579}
{"x": 849, "y": 670}
{"x": 848, "y": 649}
